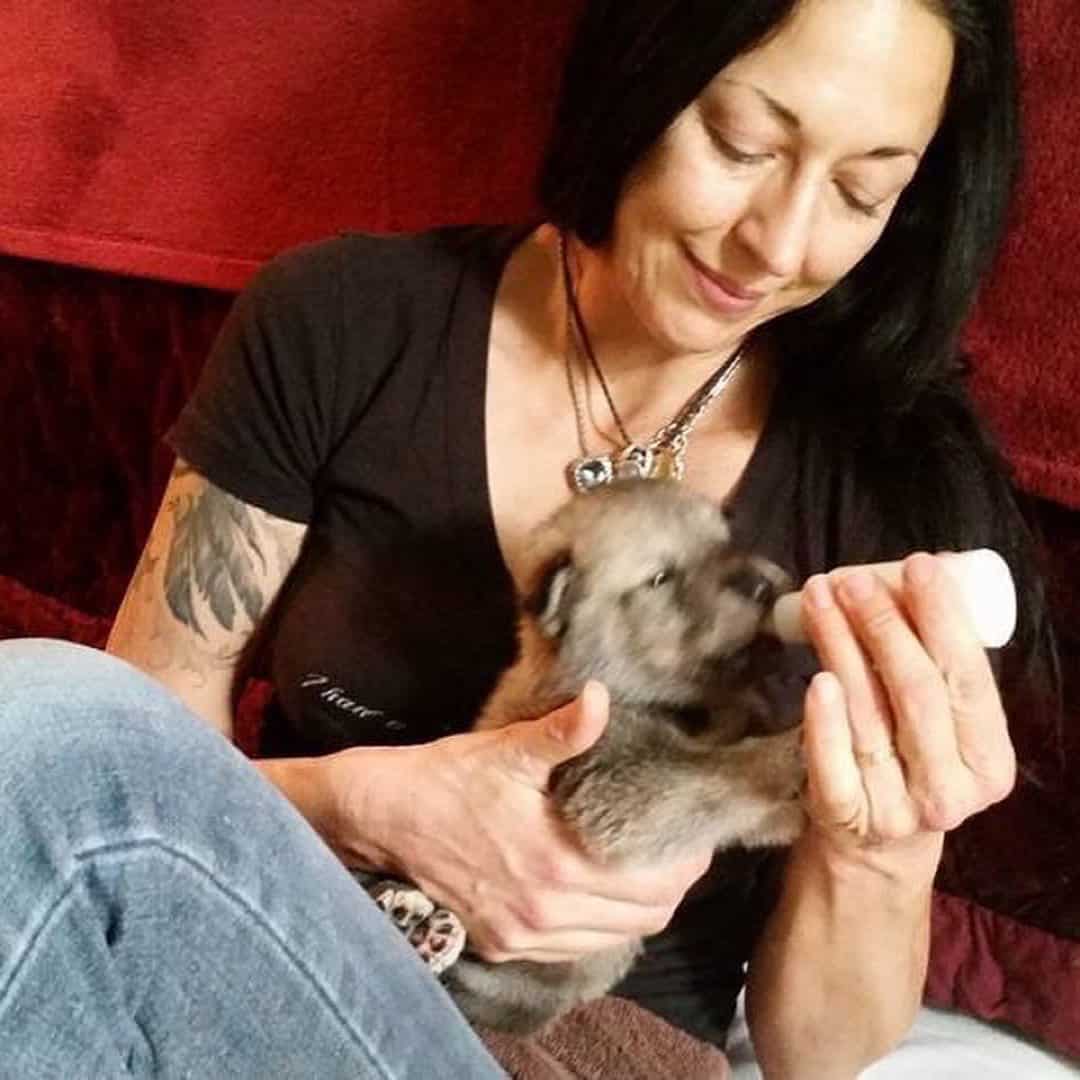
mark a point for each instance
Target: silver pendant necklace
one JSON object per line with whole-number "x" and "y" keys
{"x": 660, "y": 457}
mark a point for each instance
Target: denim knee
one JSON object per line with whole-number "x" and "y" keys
{"x": 168, "y": 854}
{"x": 54, "y": 694}
{"x": 95, "y": 754}
{"x": 86, "y": 737}
{"x": 45, "y": 675}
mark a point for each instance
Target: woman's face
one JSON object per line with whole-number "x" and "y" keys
{"x": 773, "y": 184}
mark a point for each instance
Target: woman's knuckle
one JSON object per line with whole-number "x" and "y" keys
{"x": 938, "y": 808}
{"x": 553, "y": 869}
{"x": 534, "y": 914}
{"x": 1000, "y": 779}
{"x": 919, "y": 693}
{"x": 880, "y": 623}
{"x": 993, "y": 769}
{"x": 1006, "y": 777}
{"x": 892, "y": 828}
{"x": 490, "y": 952}
{"x": 954, "y": 812}
{"x": 834, "y": 812}
{"x": 504, "y": 936}
{"x": 966, "y": 682}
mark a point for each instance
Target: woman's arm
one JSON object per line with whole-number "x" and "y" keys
{"x": 211, "y": 568}
{"x": 435, "y": 813}
{"x": 837, "y": 976}
{"x": 208, "y": 574}
{"x": 905, "y": 737}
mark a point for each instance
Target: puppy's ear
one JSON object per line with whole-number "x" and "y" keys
{"x": 548, "y": 598}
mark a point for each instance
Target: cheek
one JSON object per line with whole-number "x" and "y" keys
{"x": 669, "y": 203}
{"x": 681, "y": 187}
{"x": 836, "y": 251}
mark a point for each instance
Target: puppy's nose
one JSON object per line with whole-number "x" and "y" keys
{"x": 754, "y": 585}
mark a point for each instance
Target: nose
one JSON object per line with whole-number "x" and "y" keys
{"x": 776, "y": 225}
{"x": 750, "y": 582}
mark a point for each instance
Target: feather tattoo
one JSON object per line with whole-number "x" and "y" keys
{"x": 215, "y": 555}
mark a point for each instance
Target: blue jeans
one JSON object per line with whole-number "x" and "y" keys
{"x": 164, "y": 911}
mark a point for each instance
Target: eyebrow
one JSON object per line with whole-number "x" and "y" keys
{"x": 792, "y": 123}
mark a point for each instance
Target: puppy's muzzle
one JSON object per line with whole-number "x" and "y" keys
{"x": 756, "y": 586}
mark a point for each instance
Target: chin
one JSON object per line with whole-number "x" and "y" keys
{"x": 698, "y": 331}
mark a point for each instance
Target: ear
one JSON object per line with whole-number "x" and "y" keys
{"x": 548, "y": 599}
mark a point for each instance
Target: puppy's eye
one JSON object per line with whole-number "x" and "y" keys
{"x": 661, "y": 577}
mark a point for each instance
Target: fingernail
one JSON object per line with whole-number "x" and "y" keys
{"x": 857, "y": 585}
{"x": 818, "y": 592}
{"x": 825, "y": 687}
{"x": 919, "y": 569}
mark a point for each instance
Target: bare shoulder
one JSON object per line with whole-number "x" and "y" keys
{"x": 209, "y": 572}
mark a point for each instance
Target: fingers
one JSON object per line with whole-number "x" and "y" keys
{"x": 561, "y": 917}
{"x": 911, "y": 675}
{"x": 505, "y": 861}
{"x": 860, "y": 794}
{"x": 841, "y": 652}
{"x": 532, "y": 748}
{"x": 851, "y": 764}
{"x": 583, "y": 892}
{"x": 918, "y": 701}
{"x": 981, "y": 731}
{"x": 549, "y": 949}
{"x": 642, "y": 886}
{"x": 555, "y": 924}
{"x": 834, "y": 791}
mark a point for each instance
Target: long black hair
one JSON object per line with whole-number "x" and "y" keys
{"x": 875, "y": 360}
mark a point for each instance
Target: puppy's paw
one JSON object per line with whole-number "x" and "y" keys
{"x": 436, "y": 934}
{"x": 782, "y": 825}
{"x": 780, "y": 766}
{"x": 406, "y": 905}
{"x": 439, "y": 940}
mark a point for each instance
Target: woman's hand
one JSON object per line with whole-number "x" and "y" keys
{"x": 469, "y": 821}
{"x": 905, "y": 734}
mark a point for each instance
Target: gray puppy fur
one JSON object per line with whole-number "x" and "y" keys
{"x": 637, "y": 585}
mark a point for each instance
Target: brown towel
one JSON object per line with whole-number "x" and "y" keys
{"x": 608, "y": 1039}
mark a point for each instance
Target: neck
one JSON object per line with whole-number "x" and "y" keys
{"x": 651, "y": 379}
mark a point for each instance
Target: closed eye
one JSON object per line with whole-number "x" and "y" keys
{"x": 867, "y": 209}
{"x": 733, "y": 153}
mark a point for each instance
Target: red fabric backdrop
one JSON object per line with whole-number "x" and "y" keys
{"x": 191, "y": 141}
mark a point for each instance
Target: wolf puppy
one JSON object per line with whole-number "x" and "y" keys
{"x": 637, "y": 585}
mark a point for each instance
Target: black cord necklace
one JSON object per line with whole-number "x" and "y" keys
{"x": 662, "y": 455}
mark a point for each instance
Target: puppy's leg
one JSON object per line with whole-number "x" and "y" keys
{"x": 521, "y": 997}
{"x": 756, "y": 789}
{"x": 628, "y": 805}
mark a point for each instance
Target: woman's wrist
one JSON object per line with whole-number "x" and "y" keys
{"x": 302, "y": 782}
{"x": 849, "y": 936}
{"x": 899, "y": 866}
{"x": 335, "y": 793}
{"x": 365, "y": 815}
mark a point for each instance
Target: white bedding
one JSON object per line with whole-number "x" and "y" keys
{"x": 941, "y": 1046}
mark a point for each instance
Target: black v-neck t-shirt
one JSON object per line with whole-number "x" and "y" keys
{"x": 346, "y": 390}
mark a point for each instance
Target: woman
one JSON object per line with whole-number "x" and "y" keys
{"x": 772, "y": 189}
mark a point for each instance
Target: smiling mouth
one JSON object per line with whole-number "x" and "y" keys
{"x": 726, "y": 283}
{"x": 720, "y": 287}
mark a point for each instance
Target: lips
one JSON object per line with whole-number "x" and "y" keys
{"x": 736, "y": 291}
